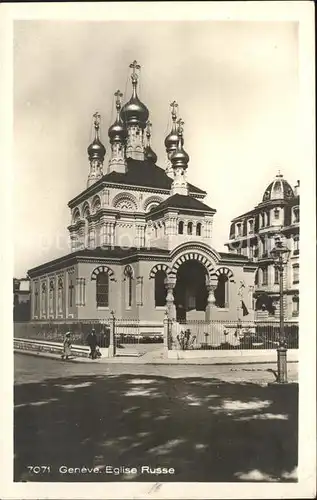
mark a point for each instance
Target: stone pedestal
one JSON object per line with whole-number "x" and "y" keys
{"x": 282, "y": 365}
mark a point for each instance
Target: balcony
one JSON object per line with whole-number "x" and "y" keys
{"x": 296, "y": 252}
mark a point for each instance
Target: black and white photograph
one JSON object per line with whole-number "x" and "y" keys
{"x": 159, "y": 203}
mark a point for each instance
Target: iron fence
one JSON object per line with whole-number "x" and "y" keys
{"x": 132, "y": 331}
{"x": 229, "y": 335}
{"x": 55, "y": 331}
{"x": 126, "y": 331}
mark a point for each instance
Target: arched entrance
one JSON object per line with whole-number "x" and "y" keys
{"x": 190, "y": 292}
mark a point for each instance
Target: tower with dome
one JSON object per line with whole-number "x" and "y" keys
{"x": 252, "y": 235}
{"x": 141, "y": 235}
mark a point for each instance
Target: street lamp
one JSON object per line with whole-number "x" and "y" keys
{"x": 280, "y": 254}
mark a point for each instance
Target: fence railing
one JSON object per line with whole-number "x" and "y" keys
{"x": 130, "y": 331}
{"x": 183, "y": 335}
{"x": 229, "y": 335}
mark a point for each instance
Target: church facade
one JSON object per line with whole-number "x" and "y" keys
{"x": 141, "y": 236}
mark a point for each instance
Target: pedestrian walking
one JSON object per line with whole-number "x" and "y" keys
{"x": 92, "y": 342}
{"x": 67, "y": 346}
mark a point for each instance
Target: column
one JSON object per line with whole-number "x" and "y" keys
{"x": 170, "y": 306}
{"x": 103, "y": 241}
{"x": 77, "y": 292}
{"x": 139, "y": 291}
{"x": 105, "y": 197}
{"x": 112, "y": 234}
{"x": 251, "y": 290}
{"x": 92, "y": 235}
{"x": 211, "y": 287}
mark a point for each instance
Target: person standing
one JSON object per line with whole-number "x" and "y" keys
{"x": 67, "y": 345}
{"x": 92, "y": 342}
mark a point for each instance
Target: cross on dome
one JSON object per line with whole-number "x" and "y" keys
{"x": 96, "y": 117}
{"x": 180, "y": 124}
{"x": 174, "y": 107}
{"x": 118, "y": 96}
{"x": 134, "y": 66}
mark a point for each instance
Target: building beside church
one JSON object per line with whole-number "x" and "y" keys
{"x": 252, "y": 235}
{"x": 141, "y": 236}
{"x": 21, "y": 299}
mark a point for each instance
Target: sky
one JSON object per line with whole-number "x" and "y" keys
{"x": 236, "y": 84}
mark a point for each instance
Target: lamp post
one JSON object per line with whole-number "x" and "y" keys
{"x": 280, "y": 254}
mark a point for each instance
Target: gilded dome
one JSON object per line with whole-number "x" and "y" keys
{"x": 117, "y": 131}
{"x": 150, "y": 155}
{"x": 134, "y": 112}
{"x": 180, "y": 158}
{"x": 171, "y": 141}
{"x": 96, "y": 150}
{"x": 279, "y": 189}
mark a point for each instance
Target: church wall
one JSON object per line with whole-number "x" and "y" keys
{"x": 234, "y": 309}
{"x": 128, "y": 230}
{"x": 148, "y": 311}
{"x": 58, "y": 301}
{"x": 87, "y": 308}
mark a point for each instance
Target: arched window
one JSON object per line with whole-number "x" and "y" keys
{"x": 43, "y": 298}
{"x": 60, "y": 295}
{"x": 222, "y": 292}
{"x": 295, "y": 301}
{"x": 276, "y": 276}
{"x": 102, "y": 290}
{"x": 295, "y": 273}
{"x": 36, "y": 305}
{"x": 160, "y": 290}
{"x": 128, "y": 273}
{"x": 198, "y": 229}
{"x": 70, "y": 293}
{"x": 264, "y": 275}
{"x": 256, "y": 278}
{"x": 51, "y": 298}
{"x": 181, "y": 227}
{"x": 295, "y": 215}
{"x": 190, "y": 228}
{"x": 263, "y": 220}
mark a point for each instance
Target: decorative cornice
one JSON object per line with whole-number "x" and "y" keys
{"x": 101, "y": 184}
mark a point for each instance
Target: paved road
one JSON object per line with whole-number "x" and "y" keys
{"x": 74, "y": 416}
{"x": 32, "y": 369}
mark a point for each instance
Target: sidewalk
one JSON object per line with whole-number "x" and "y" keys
{"x": 148, "y": 360}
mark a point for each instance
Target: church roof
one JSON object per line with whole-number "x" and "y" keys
{"x": 183, "y": 201}
{"x": 115, "y": 254}
{"x": 145, "y": 173}
{"x": 142, "y": 173}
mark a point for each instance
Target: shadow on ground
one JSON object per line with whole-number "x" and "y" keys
{"x": 205, "y": 429}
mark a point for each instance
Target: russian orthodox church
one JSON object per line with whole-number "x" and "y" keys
{"x": 141, "y": 235}
{"x": 252, "y": 235}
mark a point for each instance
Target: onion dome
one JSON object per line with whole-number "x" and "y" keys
{"x": 171, "y": 141}
{"x": 180, "y": 158}
{"x": 149, "y": 154}
{"x": 279, "y": 189}
{"x": 96, "y": 150}
{"x": 117, "y": 132}
{"x": 134, "y": 112}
